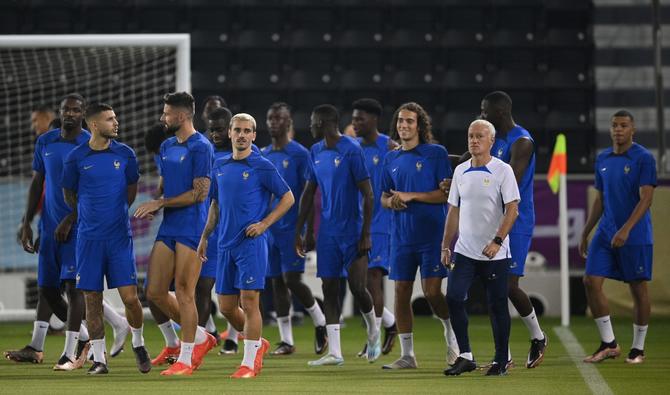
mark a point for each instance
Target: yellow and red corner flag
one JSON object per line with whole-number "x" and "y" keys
{"x": 559, "y": 163}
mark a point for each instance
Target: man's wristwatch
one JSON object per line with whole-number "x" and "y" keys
{"x": 498, "y": 240}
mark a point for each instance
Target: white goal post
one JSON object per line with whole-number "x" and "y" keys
{"x": 131, "y": 72}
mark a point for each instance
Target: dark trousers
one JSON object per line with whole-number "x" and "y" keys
{"x": 494, "y": 276}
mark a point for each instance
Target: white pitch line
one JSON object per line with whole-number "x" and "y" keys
{"x": 590, "y": 373}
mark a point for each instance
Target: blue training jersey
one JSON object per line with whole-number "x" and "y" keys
{"x": 374, "y": 162}
{"x": 180, "y": 164}
{"x": 525, "y": 223}
{"x": 619, "y": 178}
{"x": 48, "y": 159}
{"x": 418, "y": 170}
{"x": 101, "y": 179}
{"x": 213, "y": 240}
{"x": 242, "y": 189}
{"x": 337, "y": 171}
{"x": 292, "y": 163}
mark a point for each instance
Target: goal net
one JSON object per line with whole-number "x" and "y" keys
{"x": 129, "y": 72}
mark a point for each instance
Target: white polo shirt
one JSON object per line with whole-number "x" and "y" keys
{"x": 481, "y": 193}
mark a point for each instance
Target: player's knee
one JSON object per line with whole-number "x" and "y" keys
{"x": 433, "y": 295}
{"x": 155, "y": 296}
{"x": 590, "y": 284}
{"x": 249, "y": 303}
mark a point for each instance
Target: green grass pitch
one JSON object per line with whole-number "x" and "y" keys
{"x": 557, "y": 374}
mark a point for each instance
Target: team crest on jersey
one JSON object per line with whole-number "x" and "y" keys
{"x": 626, "y": 169}
{"x": 117, "y": 164}
{"x": 375, "y": 159}
{"x": 419, "y": 166}
{"x": 245, "y": 175}
{"x": 337, "y": 161}
{"x": 285, "y": 163}
{"x": 500, "y": 152}
{"x": 487, "y": 181}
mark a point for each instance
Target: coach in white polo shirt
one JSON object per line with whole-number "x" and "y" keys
{"x": 483, "y": 204}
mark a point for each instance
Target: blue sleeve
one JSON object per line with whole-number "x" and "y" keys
{"x": 38, "y": 161}
{"x": 70, "y": 176}
{"x": 599, "y": 179}
{"x": 358, "y": 169}
{"x": 443, "y": 166}
{"x": 214, "y": 189}
{"x": 303, "y": 170}
{"x": 132, "y": 170}
{"x": 202, "y": 161}
{"x": 273, "y": 182}
{"x": 387, "y": 181}
{"x": 310, "y": 174}
{"x": 648, "y": 171}
{"x": 157, "y": 161}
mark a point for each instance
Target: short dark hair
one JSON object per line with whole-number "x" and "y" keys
{"x": 624, "y": 113}
{"x": 216, "y": 97}
{"x": 54, "y": 124}
{"x": 327, "y": 113}
{"x": 154, "y": 137}
{"x": 75, "y": 96}
{"x": 500, "y": 100}
{"x": 94, "y": 109}
{"x": 279, "y": 105}
{"x": 423, "y": 124}
{"x": 182, "y": 100}
{"x": 219, "y": 114}
{"x": 371, "y": 106}
{"x": 43, "y": 108}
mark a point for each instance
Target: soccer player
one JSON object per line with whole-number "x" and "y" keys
{"x": 292, "y": 161}
{"x": 56, "y": 241}
{"x": 186, "y": 164}
{"x": 217, "y": 126}
{"x": 41, "y": 118}
{"x": 483, "y": 205}
{"x": 410, "y": 187}
{"x": 100, "y": 183}
{"x": 211, "y": 103}
{"x": 241, "y": 188}
{"x": 518, "y": 150}
{"x": 622, "y": 246}
{"x": 343, "y": 246}
{"x": 365, "y": 121}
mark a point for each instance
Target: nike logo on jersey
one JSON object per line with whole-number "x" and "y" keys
{"x": 316, "y": 162}
{"x": 394, "y": 170}
{"x": 87, "y": 167}
{"x": 219, "y": 174}
{"x": 48, "y": 153}
{"x": 603, "y": 169}
{"x": 250, "y": 280}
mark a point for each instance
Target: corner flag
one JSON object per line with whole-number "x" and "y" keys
{"x": 559, "y": 163}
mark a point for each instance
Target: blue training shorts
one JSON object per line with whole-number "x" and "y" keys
{"x": 334, "y": 255}
{"x": 113, "y": 259}
{"x": 242, "y": 267}
{"x": 627, "y": 263}
{"x": 405, "y": 260}
{"x": 171, "y": 241}
{"x": 519, "y": 245}
{"x": 282, "y": 256}
{"x": 56, "y": 261}
{"x": 208, "y": 269}
{"x": 379, "y": 254}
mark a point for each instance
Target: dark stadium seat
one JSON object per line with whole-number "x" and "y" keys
{"x": 366, "y": 18}
{"x": 314, "y": 17}
{"x": 406, "y": 38}
{"x": 467, "y": 59}
{"x": 211, "y": 15}
{"x": 454, "y": 38}
{"x": 361, "y": 80}
{"x": 208, "y": 80}
{"x": 161, "y": 16}
{"x": 303, "y": 79}
{"x": 304, "y": 38}
{"x": 258, "y": 16}
{"x": 417, "y": 59}
{"x": 365, "y": 60}
{"x": 257, "y": 39}
{"x": 361, "y": 39}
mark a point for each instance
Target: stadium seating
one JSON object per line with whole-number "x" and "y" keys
{"x": 444, "y": 54}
